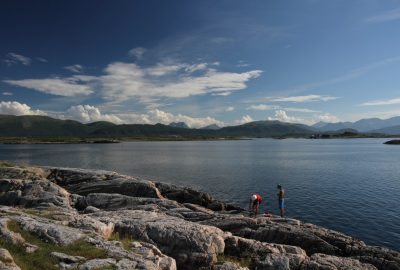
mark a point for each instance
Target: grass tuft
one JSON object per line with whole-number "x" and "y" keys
{"x": 41, "y": 259}
{"x": 243, "y": 262}
{"x": 5, "y": 164}
{"x": 124, "y": 239}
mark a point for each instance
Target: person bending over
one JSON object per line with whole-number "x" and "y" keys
{"x": 254, "y": 206}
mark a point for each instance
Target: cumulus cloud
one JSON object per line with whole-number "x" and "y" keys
{"x": 68, "y": 87}
{"x": 7, "y": 94}
{"x": 382, "y": 102}
{"x": 230, "y": 109}
{"x": 16, "y": 108}
{"x": 281, "y": 115}
{"x": 75, "y": 68}
{"x": 137, "y": 52}
{"x": 327, "y": 117}
{"x": 87, "y": 113}
{"x": 13, "y": 59}
{"x": 300, "y": 99}
{"x": 245, "y": 119}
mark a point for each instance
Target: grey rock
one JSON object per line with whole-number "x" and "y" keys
{"x": 272, "y": 262}
{"x": 91, "y": 209}
{"x": 49, "y": 231}
{"x": 228, "y": 266}
{"x": 117, "y": 201}
{"x": 67, "y": 258}
{"x": 32, "y": 193}
{"x": 328, "y": 262}
{"x": 98, "y": 264}
{"x": 7, "y": 261}
{"x": 191, "y": 244}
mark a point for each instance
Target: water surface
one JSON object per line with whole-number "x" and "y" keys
{"x": 348, "y": 185}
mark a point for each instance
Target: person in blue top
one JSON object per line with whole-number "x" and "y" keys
{"x": 281, "y": 200}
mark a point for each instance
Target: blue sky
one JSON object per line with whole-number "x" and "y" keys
{"x": 201, "y": 62}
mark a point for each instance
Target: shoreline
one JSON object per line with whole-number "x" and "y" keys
{"x": 34, "y": 141}
{"x": 189, "y": 228}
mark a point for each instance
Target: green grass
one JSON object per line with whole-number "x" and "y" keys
{"x": 243, "y": 262}
{"x": 41, "y": 259}
{"x": 125, "y": 240}
{"x": 48, "y": 213}
{"x": 5, "y": 164}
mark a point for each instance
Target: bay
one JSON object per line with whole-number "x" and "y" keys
{"x": 351, "y": 185}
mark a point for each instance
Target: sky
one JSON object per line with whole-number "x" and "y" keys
{"x": 205, "y": 62}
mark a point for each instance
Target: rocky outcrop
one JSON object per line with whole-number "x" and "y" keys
{"x": 7, "y": 261}
{"x": 134, "y": 223}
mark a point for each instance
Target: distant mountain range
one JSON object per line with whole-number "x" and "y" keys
{"x": 363, "y": 125}
{"x": 178, "y": 125}
{"x": 43, "y": 126}
{"x": 213, "y": 126}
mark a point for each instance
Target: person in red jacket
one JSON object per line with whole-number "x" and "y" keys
{"x": 254, "y": 205}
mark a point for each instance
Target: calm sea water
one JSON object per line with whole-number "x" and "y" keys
{"x": 348, "y": 185}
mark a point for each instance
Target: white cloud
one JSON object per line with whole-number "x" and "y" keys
{"x": 245, "y": 119}
{"x": 223, "y": 94}
{"x": 242, "y": 63}
{"x": 162, "y": 69}
{"x": 197, "y": 67}
{"x": 391, "y": 15}
{"x": 137, "y": 52}
{"x": 382, "y": 102}
{"x": 263, "y": 107}
{"x": 302, "y": 110}
{"x": 41, "y": 59}
{"x": 75, "y": 68}
{"x": 16, "y": 108}
{"x": 300, "y": 99}
{"x": 7, "y": 94}
{"x": 87, "y": 113}
{"x": 281, "y": 115}
{"x": 158, "y": 116}
{"x": 230, "y": 109}
{"x": 327, "y": 117}
{"x": 13, "y": 59}
{"x": 68, "y": 87}
{"x": 124, "y": 81}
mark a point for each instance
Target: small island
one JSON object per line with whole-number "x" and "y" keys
{"x": 395, "y": 142}
{"x": 66, "y": 218}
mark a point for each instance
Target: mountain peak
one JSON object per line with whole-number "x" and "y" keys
{"x": 179, "y": 125}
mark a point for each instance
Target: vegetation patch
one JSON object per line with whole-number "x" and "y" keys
{"x": 48, "y": 213}
{"x": 5, "y": 164}
{"x": 243, "y": 262}
{"x": 124, "y": 239}
{"x": 41, "y": 259}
